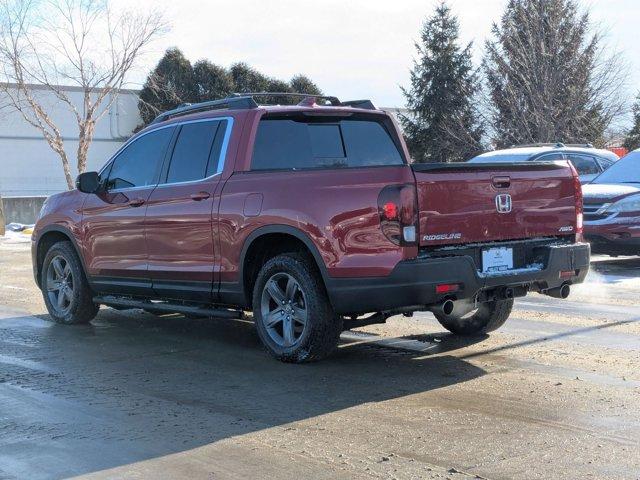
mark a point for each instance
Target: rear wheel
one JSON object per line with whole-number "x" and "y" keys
{"x": 292, "y": 313}
{"x": 64, "y": 286}
{"x": 487, "y": 317}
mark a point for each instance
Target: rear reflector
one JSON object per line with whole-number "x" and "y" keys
{"x": 447, "y": 288}
{"x": 567, "y": 273}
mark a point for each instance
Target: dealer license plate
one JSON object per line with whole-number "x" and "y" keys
{"x": 497, "y": 259}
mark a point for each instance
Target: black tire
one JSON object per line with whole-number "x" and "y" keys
{"x": 321, "y": 330}
{"x": 488, "y": 317}
{"x": 77, "y": 305}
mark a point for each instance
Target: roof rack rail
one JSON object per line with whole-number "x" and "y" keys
{"x": 364, "y": 104}
{"x": 541, "y": 144}
{"x": 310, "y": 98}
{"x": 555, "y": 144}
{"x": 332, "y": 100}
{"x": 240, "y": 103}
{"x": 246, "y": 101}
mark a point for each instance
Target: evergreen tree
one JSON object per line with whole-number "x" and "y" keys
{"x": 170, "y": 84}
{"x": 275, "y": 85}
{"x": 175, "y": 81}
{"x": 442, "y": 125}
{"x": 547, "y": 77}
{"x": 303, "y": 84}
{"x": 247, "y": 79}
{"x": 212, "y": 81}
{"x": 632, "y": 140}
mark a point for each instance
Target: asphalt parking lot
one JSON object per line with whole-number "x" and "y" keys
{"x": 554, "y": 394}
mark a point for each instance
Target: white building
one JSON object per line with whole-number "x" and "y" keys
{"x": 28, "y": 166}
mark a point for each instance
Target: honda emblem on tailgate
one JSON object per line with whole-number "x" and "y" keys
{"x": 503, "y": 203}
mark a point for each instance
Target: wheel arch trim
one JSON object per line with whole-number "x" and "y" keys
{"x": 67, "y": 233}
{"x": 287, "y": 230}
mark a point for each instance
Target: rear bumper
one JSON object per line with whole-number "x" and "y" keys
{"x": 413, "y": 282}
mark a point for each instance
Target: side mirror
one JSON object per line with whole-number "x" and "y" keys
{"x": 88, "y": 182}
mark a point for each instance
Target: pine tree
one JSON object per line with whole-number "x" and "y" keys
{"x": 303, "y": 84}
{"x": 275, "y": 85}
{"x": 443, "y": 124}
{"x": 175, "y": 81}
{"x": 547, "y": 77}
{"x": 212, "y": 81}
{"x": 247, "y": 79}
{"x": 632, "y": 140}
{"x": 170, "y": 84}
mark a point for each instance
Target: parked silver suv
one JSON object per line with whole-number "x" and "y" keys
{"x": 587, "y": 160}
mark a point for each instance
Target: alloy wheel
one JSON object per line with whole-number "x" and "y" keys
{"x": 283, "y": 309}
{"x": 60, "y": 284}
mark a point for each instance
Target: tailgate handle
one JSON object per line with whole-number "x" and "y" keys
{"x": 503, "y": 181}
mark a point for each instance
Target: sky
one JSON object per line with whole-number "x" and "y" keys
{"x": 351, "y": 48}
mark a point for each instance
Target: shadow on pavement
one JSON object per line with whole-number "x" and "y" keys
{"x": 623, "y": 340}
{"x": 130, "y": 387}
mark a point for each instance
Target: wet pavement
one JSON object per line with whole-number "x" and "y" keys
{"x": 554, "y": 394}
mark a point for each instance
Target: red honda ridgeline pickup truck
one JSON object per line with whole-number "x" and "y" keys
{"x": 312, "y": 217}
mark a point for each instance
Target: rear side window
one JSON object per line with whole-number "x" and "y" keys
{"x": 585, "y": 165}
{"x": 193, "y": 152}
{"x": 139, "y": 163}
{"x": 605, "y": 162}
{"x": 295, "y": 144}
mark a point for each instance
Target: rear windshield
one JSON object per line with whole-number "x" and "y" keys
{"x": 625, "y": 170}
{"x": 298, "y": 144}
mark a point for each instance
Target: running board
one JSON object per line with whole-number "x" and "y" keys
{"x": 166, "y": 307}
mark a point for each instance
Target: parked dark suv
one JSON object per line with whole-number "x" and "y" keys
{"x": 311, "y": 217}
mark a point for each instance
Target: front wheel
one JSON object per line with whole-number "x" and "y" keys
{"x": 292, "y": 312}
{"x": 65, "y": 288}
{"x": 489, "y": 316}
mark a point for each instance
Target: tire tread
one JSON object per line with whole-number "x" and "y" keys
{"x": 326, "y": 326}
{"x": 85, "y": 309}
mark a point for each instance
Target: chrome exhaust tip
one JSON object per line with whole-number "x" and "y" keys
{"x": 447, "y": 307}
{"x": 562, "y": 291}
{"x": 444, "y": 308}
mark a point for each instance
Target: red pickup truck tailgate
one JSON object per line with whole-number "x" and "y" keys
{"x": 479, "y": 203}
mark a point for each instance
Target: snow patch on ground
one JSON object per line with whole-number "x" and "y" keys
{"x": 16, "y": 237}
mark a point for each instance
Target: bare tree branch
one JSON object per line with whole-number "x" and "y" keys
{"x": 45, "y": 44}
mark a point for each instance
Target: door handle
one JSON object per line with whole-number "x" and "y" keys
{"x": 136, "y": 202}
{"x": 200, "y": 196}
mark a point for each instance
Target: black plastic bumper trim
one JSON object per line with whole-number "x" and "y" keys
{"x": 413, "y": 282}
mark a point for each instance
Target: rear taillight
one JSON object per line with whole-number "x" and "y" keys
{"x": 577, "y": 195}
{"x": 398, "y": 209}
